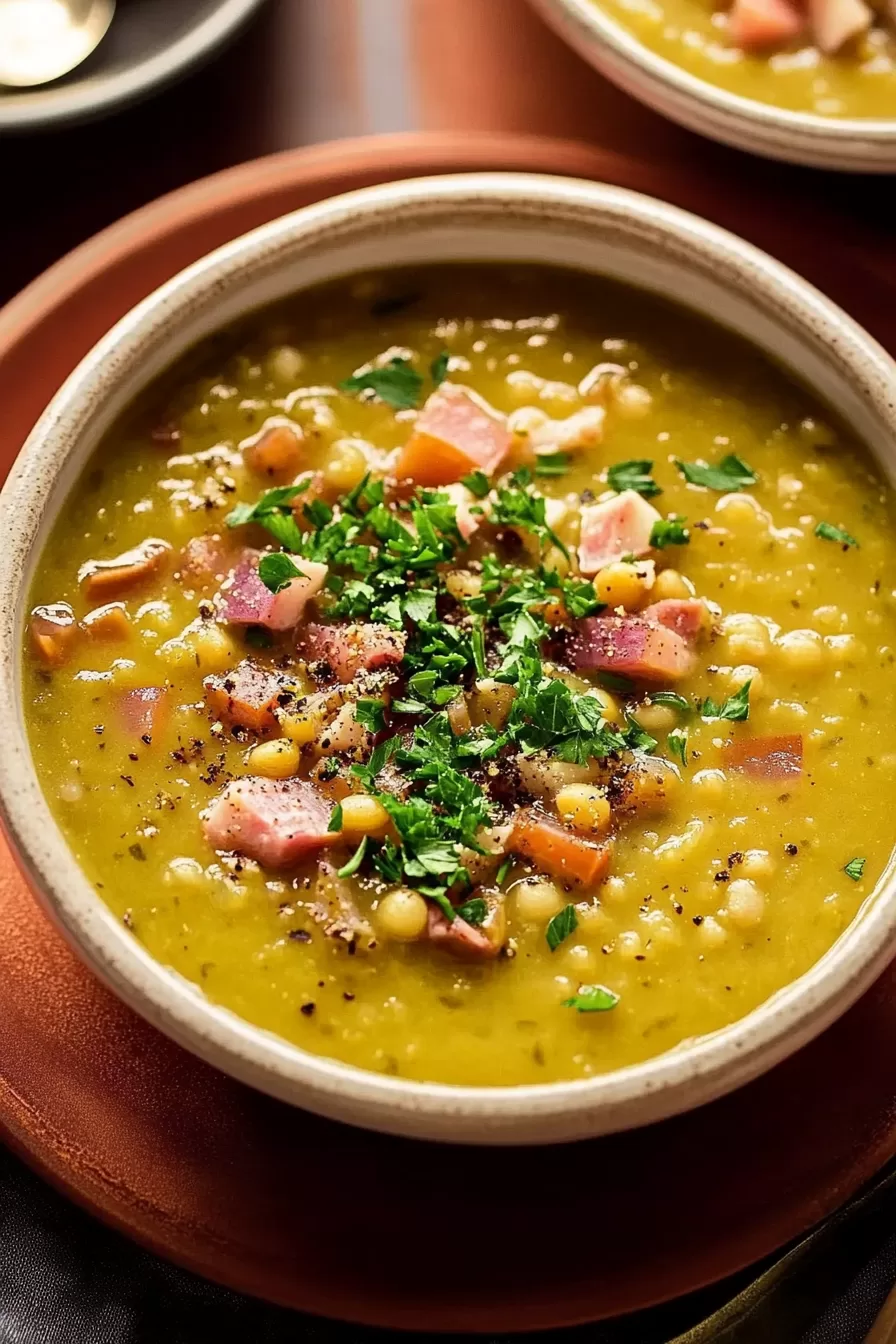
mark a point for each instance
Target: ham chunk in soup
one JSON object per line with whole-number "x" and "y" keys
{"x": 615, "y": 528}
{"x": 348, "y": 650}
{"x": 757, "y": 25}
{"x": 630, "y": 646}
{"x": 455, "y": 433}
{"x": 277, "y": 822}
{"x": 686, "y": 616}
{"x": 245, "y": 600}
{"x": 246, "y": 697}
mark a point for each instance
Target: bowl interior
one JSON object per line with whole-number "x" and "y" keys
{"x": 601, "y": 229}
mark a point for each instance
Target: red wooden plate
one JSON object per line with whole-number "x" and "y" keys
{"x": 327, "y": 1219}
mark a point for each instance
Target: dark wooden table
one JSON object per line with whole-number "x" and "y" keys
{"x": 311, "y": 70}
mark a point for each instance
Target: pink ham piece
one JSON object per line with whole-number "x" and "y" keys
{"x": 277, "y": 822}
{"x": 685, "y": 616}
{"x": 143, "y": 712}
{"x": 836, "y": 22}
{"x": 771, "y": 758}
{"x": 211, "y": 557}
{"x": 757, "y": 25}
{"x": 617, "y": 527}
{"x": 459, "y": 938}
{"x": 455, "y": 433}
{"x": 244, "y": 599}
{"x": 350, "y": 649}
{"x": 246, "y": 697}
{"x": 630, "y": 646}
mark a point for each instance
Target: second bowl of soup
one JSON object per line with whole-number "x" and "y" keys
{"x": 453, "y": 688}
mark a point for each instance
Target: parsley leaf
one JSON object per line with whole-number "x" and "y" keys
{"x": 478, "y": 483}
{"x": 735, "y": 709}
{"x": 669, "y": 532}
{"x": 552, "y": 464}
{"x": 336, "y": 819}
{"x": 474, "y": 911}
{"x": 637, "y": 737}
{"x": 502, "y": 872}
{"x": 633, "y": 475}
{"x": 517, "y": 506}
{"x": 277, "y": 571}
{"x": 354, "y": 863}
{"x": 854, "y": 869}
{"x": 677, "y": 742}
{"x": 732, "y": 473}
{"x": 273, "y": 511}
{"x": 371, "y": 714}
{"x": 671, "y": 698}
{"x": 829, "y": 532}
{"x": 438, "y": 369}
{"x": 592, "y": 999}
{"x": 397, "y": 383}
{"x": 561, "y": 926}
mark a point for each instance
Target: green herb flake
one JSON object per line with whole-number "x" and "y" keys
{"x": 637, "y": 737}
{"x": 677, "y": 742}
{"x": 501, "y": 875}
{"x": 553, "y": 464}
{"x": 277, "y": 571}
{"x": 672, "y": 699}
{"x": 397, "y": 383}
{"x": 854, "y": 869}
{"x": 561, "y": 926}
{"x": 438, "y": 369}
{"x": 371, "y": 714}
{"x": 336, "y": 818}
{"x": 478, "y": 483}
{"x": 732, "y": 473}
{"x": 356, "y": 860}
{"x": 633, "y": 475}
{"x": 736, "y": 709}
{"x": 474, "y": 911}
{"x": 592, "y": 999}
{"x": 669, "y": 532}
{"x": 828, "y": 532}
{"x": 273, "y": 511}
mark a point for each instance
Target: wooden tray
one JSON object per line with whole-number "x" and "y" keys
{"x": 306, "y": 1213}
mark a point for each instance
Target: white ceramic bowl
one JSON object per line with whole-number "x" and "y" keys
{"x": 852, "y": 144}
{"x": 598, "y": 228}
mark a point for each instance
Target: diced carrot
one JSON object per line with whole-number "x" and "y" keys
{"x": 275, "y": 451}
{"x": 109, "y": 622}
{"x": 456, "y": 432}
{"x": 108, "y": 578}
{"x": 758, "y": 24}
{"x": 555, "y": 850}
{"x": 54, "y": 631}
{"x": 245, "y": 697}
{"x": 767, "y": 757}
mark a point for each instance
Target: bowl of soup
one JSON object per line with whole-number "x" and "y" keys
{"x": 810, "y": 83}
{"x": 448, "y": 642}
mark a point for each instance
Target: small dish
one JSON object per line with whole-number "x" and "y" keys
{"x": 848, "y": 144}
{"x": 489, "y": 216}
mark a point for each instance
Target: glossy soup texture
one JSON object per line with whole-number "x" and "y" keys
{"x": 857, "y": 81}
{"x": 721, "y": 891}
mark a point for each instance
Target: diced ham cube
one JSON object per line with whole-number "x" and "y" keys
{"x": 757, "y": 25}
{"x": 558, "y": 851}
{"x": 211, "y": 557}
{"x": 630, "y": 646}
{"x": 460, "y": 938}
{"x": 143, "y": 712}
{"x": 275, "y": 451}
{"x": 109, "y": 578}
{"x": 277, "y": 822}
{"x": 617, "y": 527}
{"x": 772, "y": 758}
{"x": 245, "y": 600}
{"x": 350, "y": 649}
{"x": 246, "y": 697}
{"x": 686, "y": 616}
{"x": 110, "y": 622}
{"x": 836, "y": 22}
{"x": 54, "y": 632}
{"x": 455, "y": 433}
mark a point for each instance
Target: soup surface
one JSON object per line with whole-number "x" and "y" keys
{"x": 519, "y": 778}
{"x": 842, "y": 66}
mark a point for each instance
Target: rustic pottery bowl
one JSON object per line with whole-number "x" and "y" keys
{"x": 851, "y": 144}
{"x": 489, "y": 216}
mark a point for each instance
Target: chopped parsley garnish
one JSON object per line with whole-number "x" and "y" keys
{"x": 517, "y": 505}
{"x": 277, "y": 571}
{"x": 672, "y": 699}
{"x": 561, "y": 926}
{"x": 397, "y": 383}
{"x": 371, "y": 714}
{"x": 552, "y": 464}
{"x": 354, "y": 863}
{"x": 473, "y": 911}
{"x": 736, "y": 708}
{"x": 669, "y": 532}
{"x": 336, "y": 819}
{"x": 592, "y": 999}
{"x": 633, "y": 475}
{"x": 855, "y": 869}
{"x": 732, "y": 473}
{"x": 273, "y": 510}
{"x": 438, "y": 369}
{"x": 637, "y": 737}
{"x": 478, "y": 483}
{"x": 502, "y": 872}
{"x": 828, "y": 532}
{"x": 677, "y": 742}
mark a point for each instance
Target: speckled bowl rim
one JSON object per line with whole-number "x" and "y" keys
{"x": 681, "y": 1079}
{"x": 848, "y": 143}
